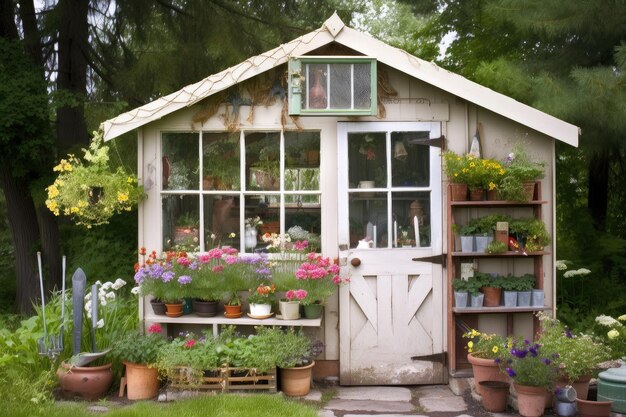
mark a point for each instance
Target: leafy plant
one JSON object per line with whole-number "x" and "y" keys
{"x": 612, "y": 332}
{"x": 487, "y": 346}
{"x": 523, "y": 283}
{"x": 495, "y": 246}
{"x": 531, "y": 364}
{"x": 319, "y": 277}
{"x": 476, "y": 282}
{"x": 460, "y": 285}
{"x": 531, "y": 231}
{"x": 520, "y": 168}
{"x": 139, "y": 348}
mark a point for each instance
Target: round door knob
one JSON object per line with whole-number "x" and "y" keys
{"x": 355, "y": 261}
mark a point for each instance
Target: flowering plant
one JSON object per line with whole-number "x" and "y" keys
{"x": 475, "y": 172}
{"x": 612, "y": 332}
{"x": 254, "y": 222}
{"x": 487, "y": 346}
{"x": 319, "y": 277}
{"x": 532, "y": 365}
{"x": 519, "y": 168}
{"x": 263, "y": 294}
{"x": 276, "y": 242}
{"x": 141, "y": 349}
{"x": 214, "y": 273}
{"x": 455, "y": 167}
{"x": 91, "y": 192}
{"x": 166, "y": 279}
{"x": 578, "y": 354}
{"x": 295, "y": 295}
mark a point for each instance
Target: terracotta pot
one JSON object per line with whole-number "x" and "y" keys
{"x": 232, "y": 311}
{"x": 174, "y": 309}
{"x": 485, "y": 370}
{"x": 142, "y": 382}
{"x": 477, "y": 194}
{"x": 86, "y": 382}
{"x": 492, "y": 296}
{"x": 296, "y": 382}
{"x": 529, "y": 190}
{"x": 205, "y": 308}
{"x": 593, "y": 408}
{"x": 458, "y": 192}
{"x": 494, "y": 395}
{"x": 531, "y": 401}
{"x": 581, "y": 385}
{"x": 493, "y": 195}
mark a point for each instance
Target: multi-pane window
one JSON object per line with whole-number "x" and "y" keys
{"x": 214, "y": 184}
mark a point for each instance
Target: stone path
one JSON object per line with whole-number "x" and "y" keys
{"x": 431, "y": 400}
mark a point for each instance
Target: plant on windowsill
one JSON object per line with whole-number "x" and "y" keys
{"x": 91, "y": 191}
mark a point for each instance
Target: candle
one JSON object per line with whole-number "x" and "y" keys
{"x": 374, "y": 236}
{"x": 416, "y": 225}
{"x": 395, "y": 233}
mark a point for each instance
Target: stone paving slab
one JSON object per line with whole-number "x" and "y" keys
{"x": 313, "y": 395}
{"x": 434, "y": 398}
{"x": 374, "y": 393}
{"x": 326, "y": 413}
{"x": 370, "y": 405}
{"x": 384, "y": 415}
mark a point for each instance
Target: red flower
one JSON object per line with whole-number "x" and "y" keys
{"x": 190, "y": 343}
{"x": 155, "y": 328}
{"x": 142, "y": 251}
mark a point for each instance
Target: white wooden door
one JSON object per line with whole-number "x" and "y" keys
{"x": 392, "y": 311}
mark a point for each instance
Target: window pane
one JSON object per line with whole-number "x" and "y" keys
{"x": 303, "y": 219}
{"x": 181, "y": 222}
{"x": 341, "y": 89}
{"x": 221, "y": 221}
{"x": 314, "y": 95}
{"x": 367, "y": 166}
{"x": 368, "y": 217}
{"x": 180, "y": 161}
{"x": 263, "y": 160}
{"x": 362, "y": 86}
{"x": 410, "y": 162}
{"x": 302, "y": 161}
{"x": 220, "y": 165}
{"x": 267, "y": 208}
{"x": 408, "y": 210}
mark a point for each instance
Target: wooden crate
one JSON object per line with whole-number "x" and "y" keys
{"x": 227, "y": 379}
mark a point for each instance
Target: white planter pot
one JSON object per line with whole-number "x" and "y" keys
{"x": 523, "y": 298}
{"x": 482, "y": 242}
{"x": 467, "y": 243}
{"x": 476, "y": 300}
{"x": 260, "y": 310}
{"x": 537, "y": 298}
{"x": 460, "y": 299}
{"x": 510, "y": 298}
{"x": 289, "y": 310}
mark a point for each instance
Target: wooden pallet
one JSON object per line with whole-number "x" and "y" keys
{"x": 227, "y": 379}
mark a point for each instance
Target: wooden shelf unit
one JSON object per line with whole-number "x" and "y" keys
{"x": 457, "y": 363}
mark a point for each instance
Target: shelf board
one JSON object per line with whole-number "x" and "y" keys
{"x": 508, "y": 254}
{"x": 497, "y": 203}
{"x": 241, "y": 321}
{"x": 491, "y": 310}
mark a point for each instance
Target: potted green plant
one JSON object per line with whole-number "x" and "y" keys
{"x": 466, "y": 234}
{"x": 481, "y": 175}
{"x": 296, "y": 353}
{"x": 521, "y": 173}
{"x": 91, "y": 191}
{"x": 221, "y": 165}
{"x": 474, "y": 284}
{"x": 534, "y": 371}
{"x": 461, "y": 293}
{"x": 455, "y": 168}
{"x": 530, "y": 232}
{"x": 495, "y": 247}
{"x": 492, "y": 289}
{"x": 319, "y": 276}
{"x": 139, "y": 353}
{"x": 579, "y": 354}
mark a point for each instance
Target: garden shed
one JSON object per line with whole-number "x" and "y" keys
{"x": 340, "y": 135}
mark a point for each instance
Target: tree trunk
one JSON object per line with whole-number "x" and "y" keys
{"x": 598, "y": 194}
{"x": 72, "y": 75}
{"x": 25, "y": 236}
{"x": 50, "y": 248}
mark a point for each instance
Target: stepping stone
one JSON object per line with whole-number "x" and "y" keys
{"x": 370, "y": 405}
{"x": 436, "y": 398}
{"x": 374, "y": 393}
{"x": 326, "y": 413}
{"x": 313, "y": 395}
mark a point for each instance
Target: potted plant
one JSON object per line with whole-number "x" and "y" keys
{"x": 579, "y": 354}
{"x": 495, "y": 247}
{"x": 534, "y": 373}
{"x": 474, "y": 284}
{"x": 461, "y": 294}
{"x": 530, "y": 232}
{"x": 221, "y": 165}
{"x": 139, "y": 353}
{"x": 289, "y": 306}
{"x": 466, "y": 233}
{"x": 296, "y": 353}
{"x": 492, "y": 289}
{"x": 482, "y": 174}
{"x": 91, "y": 191}
{"x": 455, "y": 167}
{"x": 319, "y": 276}
{"x": 485, "y": 352}
{"x": 521, "y": 173}
{"x": 260, "y": 300}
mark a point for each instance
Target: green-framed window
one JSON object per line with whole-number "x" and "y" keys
{"x": 332, "y": 85}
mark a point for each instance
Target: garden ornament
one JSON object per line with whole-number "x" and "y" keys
{"x": 50, "y": 346}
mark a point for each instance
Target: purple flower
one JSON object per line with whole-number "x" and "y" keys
{"x": 193, "y": 266}
{"x": 511, "y": 372}
{"x": 140, "y": 275}
{"x": 497, "y": 360}
{"x": 519, "y": 353}
{"x": 546, "y": 361}
{"x": 568, "y": 333}
{"x": 264, "y": 271}
{"x": 533, "y": 351}
{"x": 167, "y": 276}
{"x": 156, "y": 270}
{"x": 184, "y": 279}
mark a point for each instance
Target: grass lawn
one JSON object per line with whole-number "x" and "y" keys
{"x": 260, "y": 405}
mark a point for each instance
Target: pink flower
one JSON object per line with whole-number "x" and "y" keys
{"x": 218, "y": 268}
{"x": 183, "y": 261}
{"x": 204, "y": 258}
{"x": 230, "y": 251}
{"x": 301, "y": 244}
{"x": 155, "y": 328}
{"x": 301, "y": 294}
{"x": 337, "y": 279}
{"x": 231, "y": 259}
{"x": 291, "y": 294}
{"x": 333, "y": 269}
{"x": 215, "y": 253}
{"x": 190, "y": 343}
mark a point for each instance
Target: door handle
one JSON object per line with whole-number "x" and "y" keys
{"x": 355, "y": 262}
{"x": 434, "y": 259}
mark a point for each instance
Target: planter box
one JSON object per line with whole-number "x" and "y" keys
{"x": 227, "y": 379}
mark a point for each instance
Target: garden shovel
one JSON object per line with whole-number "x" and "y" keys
{"x": 50, "y": 346}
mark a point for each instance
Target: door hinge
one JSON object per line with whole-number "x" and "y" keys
{"x": 434, "y": 259}
{"x": 442, "y": 358}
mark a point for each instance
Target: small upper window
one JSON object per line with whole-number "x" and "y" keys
{"x": 332, "y": 85}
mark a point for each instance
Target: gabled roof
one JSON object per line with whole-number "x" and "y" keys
{"x": 334, "y": 30}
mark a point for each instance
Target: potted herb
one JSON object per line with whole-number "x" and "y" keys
{"x": 466, "y": 234}
{"x": 495, "y": 247}
{"x": 139, "y": 354}
{"x": 474, "y": 284}
{"x": 260, "y": 300}
{"x": 521, "y": 172}
{"x": 461, "y": 293}
{"x": 492, "y": 290}
{"x": 296, "y": 353}
{"x": 91, "y": 191}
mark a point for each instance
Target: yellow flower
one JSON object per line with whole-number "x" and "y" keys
{"x": 232, "y": 235}
{"x": 121, "y": 197}
{"x": 501, "y": 172}
{"x": 475, "y": 333}
{"x": 53, "y": 191}
{"x": 470, "y": 344}
{"x": 52, "y": 205}
{"x": 494, "y": 349}
{"x": 492, "y": 186}
{"x": 129, "y": 180}
{"x": 82, "y": 204}
{"x": 74, "y": 209}
{"x": 622, "y": 317}
{"x": 612, "y": 334}
{"x": 472, "y": 164}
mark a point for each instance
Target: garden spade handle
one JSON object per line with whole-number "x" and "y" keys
{"x": 43, "y": 300}
{"x": 79, "y": 281}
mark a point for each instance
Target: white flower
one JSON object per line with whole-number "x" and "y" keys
{"x": 107, "y": 285}
{"x": 607, "y": 321}
{"x": 88, "y": 296}
{"x": 119, "y": 283}
{"x": 134, "y": 290}
{"x": 103, "y": 302}
{"x": 622, "y": 317}
{"x": 612, "y": 334}
{"x": 100, "y": 324}
{"x": 110, "y": 295}
{"x": 98, "y": 283}
{"x": 561, "y": 265}
{"x": 88, "y": 306}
